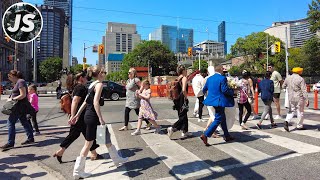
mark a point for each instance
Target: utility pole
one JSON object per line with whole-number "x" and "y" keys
{"x": 287, "y": 66}
{"x": 15, "y": 56}
{"x": 35, "y": 61}
{"x": 267, "y": 51}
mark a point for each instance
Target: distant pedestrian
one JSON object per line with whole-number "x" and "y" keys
{"x": 181, "y": 105}
{"x": 277, "y": 81}
{"x": 92, "y": 118}
{"x": 76, "y": 85}
{"x": 34, "y": 101}
{"x": 266, "y": 88}
{"x": 146, "y": 111}
{"x": 19, "y": 93}
{"x": 132, "y": 101}
{"x": 243, "y": 99}
{"x": 59, "y": 89}
{"x": 298, "y": 97}
{"x": 219, "y": 96}
{"x": 197, "y": 86}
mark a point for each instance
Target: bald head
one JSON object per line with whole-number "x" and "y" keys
{"x": 219, "y": 69}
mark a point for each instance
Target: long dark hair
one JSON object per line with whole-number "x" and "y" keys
{"x": 72, "y": 80}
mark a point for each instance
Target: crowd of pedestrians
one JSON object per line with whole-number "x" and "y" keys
{"x": 210, "y": 86}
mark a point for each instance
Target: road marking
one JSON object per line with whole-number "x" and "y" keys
{"x": 312, "y": 111}
{"x": 294, "y": 145}
{"x": 182, "y": 162}
{"x": 105, "y": 167}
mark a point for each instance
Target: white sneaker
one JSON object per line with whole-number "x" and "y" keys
{"x": 277, "y": 117}
{"x": 186, "y": 134}
{"x": 199, "y": 120}
{"x": 194, "y": 114}
{"x": 197, "y": 115}
{"x": 137, "y": 132}
{"x": 170, "y": 132}
{"x": 254, "y": 117}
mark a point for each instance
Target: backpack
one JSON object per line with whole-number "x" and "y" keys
{"x": 174, "y": 90}
{"x": 65, "y": 103}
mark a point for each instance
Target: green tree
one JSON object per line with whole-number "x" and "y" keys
{"x": 203, "y": 64}
{"x": 314, "y": 15}
{"x": 296, "y": 58}
{"x": 311, "y": 50}
{"x": 50, "y": 69}
{"x": 161, "y": 59}
{"x": 253, "y": 49}
{"x": 77, "y": 68}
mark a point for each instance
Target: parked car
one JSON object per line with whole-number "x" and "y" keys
{"x": 113, "y": 91}
{"x": 316, "y": 86}
{"x": 6, "y": 85}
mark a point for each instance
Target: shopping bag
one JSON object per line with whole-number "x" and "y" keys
{"x": 103, "y": 135}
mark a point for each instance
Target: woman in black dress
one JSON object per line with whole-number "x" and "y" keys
{"x": 92, "y": 119}
{"x": 79, "y": 91}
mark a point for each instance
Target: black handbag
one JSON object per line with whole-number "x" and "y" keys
{"x": 9, "y": 107}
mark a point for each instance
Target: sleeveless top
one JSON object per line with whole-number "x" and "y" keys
{"x": 90, "y": 98}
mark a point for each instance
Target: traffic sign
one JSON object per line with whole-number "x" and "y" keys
{"x": 197, "y": 49}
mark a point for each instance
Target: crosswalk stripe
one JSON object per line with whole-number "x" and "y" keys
{"x": 294, "y": 145}
{"x": 312, "y": 111}
{"x": 106, "y": 166}
{"x": 309, "y": 133}
{"x": 182, "y": 162}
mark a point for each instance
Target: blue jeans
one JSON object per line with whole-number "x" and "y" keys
{"x": 12, "y": 127}
{"x": 220, "y": 117}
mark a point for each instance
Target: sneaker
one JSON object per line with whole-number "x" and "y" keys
{"x": 277, "y": 117}
{"x": 137, "y": 132}
{"x": 28, "y": 141}
{"x": 186, "y": 134}
{"x": 158, "y": 130}
{"x": 254, "y": 117}
{"x": 200, "y": 120}
{"x": 148, "y": 126}
{"x": 170, "y": 132}
{"x": 259, "y": 126}
{"x": 6, "y": 147}
{"x": 197, "y": 115}
{"x": 36, "y": 133}
{"x": 124, "y": 128}
{"x": 194, "y": 114}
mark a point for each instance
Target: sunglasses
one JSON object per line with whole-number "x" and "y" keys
{"x": 269, "y": 67}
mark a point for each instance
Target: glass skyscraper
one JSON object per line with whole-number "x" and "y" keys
{"x": 176, "y": 39}
{"x": 222, "y": 35}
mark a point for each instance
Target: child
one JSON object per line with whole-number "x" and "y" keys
{"x": 33, "y": 99}
{"x": 146, "y": 110}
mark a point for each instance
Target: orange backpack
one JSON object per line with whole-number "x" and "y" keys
{"x": 65, "y": 103}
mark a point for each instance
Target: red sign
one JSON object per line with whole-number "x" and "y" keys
{"x": 141, "y": 71}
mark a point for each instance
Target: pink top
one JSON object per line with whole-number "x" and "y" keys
{"x": 33, "y": 99}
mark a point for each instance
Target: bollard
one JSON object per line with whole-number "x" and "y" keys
{"x": 315, "y": 99}
{"x": 256, "y": 100}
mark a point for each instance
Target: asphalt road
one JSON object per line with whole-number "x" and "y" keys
{"x": 255, "y": 154}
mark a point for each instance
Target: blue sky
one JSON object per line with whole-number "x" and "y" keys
{"x": 242, "y": 18}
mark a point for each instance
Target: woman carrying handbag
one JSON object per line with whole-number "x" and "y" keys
{"x": 19, "y": 111}
{"x": 92, "y": 119}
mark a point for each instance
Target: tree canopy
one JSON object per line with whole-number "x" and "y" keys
{"x": 50, "y": 69}
{"x": 314, "y": 15}
{"x": 253, "y": 49}
{"x": 161, "y": 59}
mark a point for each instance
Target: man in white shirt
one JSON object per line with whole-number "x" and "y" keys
{"x": 277, "y": 81}
{"x": 197, "y": 85}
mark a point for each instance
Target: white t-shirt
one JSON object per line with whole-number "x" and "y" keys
{"x": 197, "y": 85}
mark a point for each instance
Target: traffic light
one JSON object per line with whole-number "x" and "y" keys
{"x": 190, "y": 51}
{"x": 84, "y": 60}
{"x": 101, "y": 49}
{"x": 277, "y": 47}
